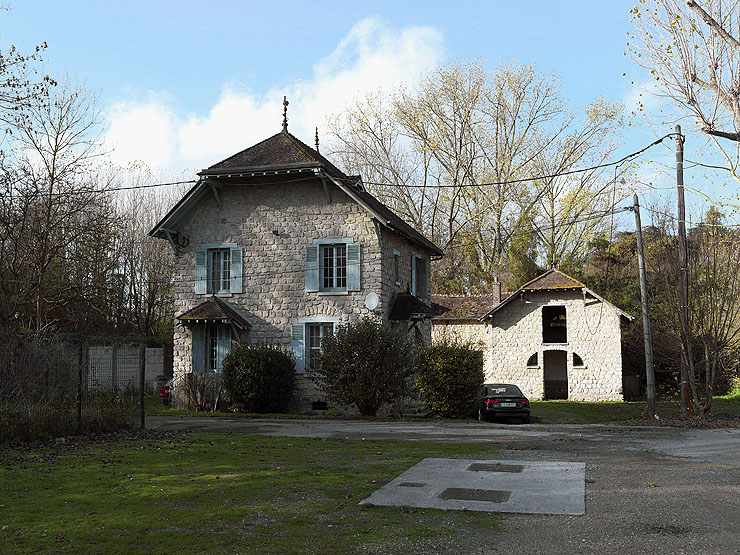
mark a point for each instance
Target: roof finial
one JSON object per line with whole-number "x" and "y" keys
{"x": 317, "y": 139}
{"x": 285, "y": 114}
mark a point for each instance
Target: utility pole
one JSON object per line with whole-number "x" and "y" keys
{"x": 649, "y": 367}
{"x": 683, "y": 295}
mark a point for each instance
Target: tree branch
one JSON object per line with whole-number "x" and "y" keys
{"x": 713, "y": 24}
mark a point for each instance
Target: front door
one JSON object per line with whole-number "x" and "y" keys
{"x": 556, "y": 375}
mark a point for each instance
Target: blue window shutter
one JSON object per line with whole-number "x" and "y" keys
{"x": 298, "y": 344}
{"x": 198, "y": 348}
{"x": 312, "y": 267}
{"x": 200, "y": 272}
{"x": 237, "y": 267}
{"x": 414, "y": 259}
{"x": 223, "y": 345}
{"x": 422, "y": 273}
{"x": 353, "y": 267}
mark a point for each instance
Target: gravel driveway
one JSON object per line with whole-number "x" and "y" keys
{"x": 648, "y": 489}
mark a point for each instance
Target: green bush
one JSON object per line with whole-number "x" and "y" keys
{"x": 366, "y": 364}
{"x": 259, "y": 378}
{"x": 449, "y": 379}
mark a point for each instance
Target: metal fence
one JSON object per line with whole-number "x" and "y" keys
{"x": 57, "y": 385}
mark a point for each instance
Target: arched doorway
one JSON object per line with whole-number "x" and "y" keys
{"x": 556, "y": 374}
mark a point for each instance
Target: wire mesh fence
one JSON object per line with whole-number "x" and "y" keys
{"x": 57, "y": 385}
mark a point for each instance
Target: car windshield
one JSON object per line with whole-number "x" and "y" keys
{"x": 503, "y": 389}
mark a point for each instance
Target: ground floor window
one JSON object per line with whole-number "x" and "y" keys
{"x": 316, "y": 334}
{"x": 306, "y": 339}
{"x": 211, "y": 344}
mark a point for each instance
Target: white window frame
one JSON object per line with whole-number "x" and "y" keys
{"x": 204, "y": 274}
{"x": 220, "y": 276}
{"x": 338, "y": 266}
{"x": 316, "y": 266}
{"x": 304, "y": 346}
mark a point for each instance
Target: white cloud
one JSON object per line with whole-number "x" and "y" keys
{"x": 370, "y": 56}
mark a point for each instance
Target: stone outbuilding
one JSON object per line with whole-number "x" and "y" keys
{"x": 276, "y": 244}
{"x": 554, "y": 337}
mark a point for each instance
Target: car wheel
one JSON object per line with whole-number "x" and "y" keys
{"x": 525, "y": 420}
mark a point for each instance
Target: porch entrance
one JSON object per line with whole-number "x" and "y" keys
{"x": 556, "y": 374}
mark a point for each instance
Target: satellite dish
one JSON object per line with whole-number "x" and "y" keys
{"x": 371, "y": 301}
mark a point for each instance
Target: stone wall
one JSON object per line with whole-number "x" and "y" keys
{"x": 515, "y": 334}
{"x": 273, "y": 224}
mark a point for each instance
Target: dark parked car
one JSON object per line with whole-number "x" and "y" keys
{"x": 503, "y": 400}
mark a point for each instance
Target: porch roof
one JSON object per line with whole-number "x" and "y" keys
{"x": 214, "y": 311}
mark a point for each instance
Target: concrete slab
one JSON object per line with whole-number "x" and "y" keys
{"x": 506, "y": 486}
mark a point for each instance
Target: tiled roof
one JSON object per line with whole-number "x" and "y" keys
{"x": 406, "y": 304}
{"x": 463, "y": 307}
{"x": 285, "y": 152}
{"x": 214, "y": 309}
{"x": 552, "y": 279}
{"x": 282, "y": 150}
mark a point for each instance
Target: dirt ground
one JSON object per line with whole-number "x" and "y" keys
{"x": 648, "y": 489}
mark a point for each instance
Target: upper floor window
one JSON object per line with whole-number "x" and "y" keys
{"x": 397, "y": 267}
{"x": 419, "y": 276}
{"x": 333, "y": 265}
{"x": 218, "y": 269}
{"x": 554, "y": 328}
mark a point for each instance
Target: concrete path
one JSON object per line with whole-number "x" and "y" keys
{"x": 554, "y": 488}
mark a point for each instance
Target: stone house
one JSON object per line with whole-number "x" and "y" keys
{"x": 553, "y": 337}
{"x": 275, "y": 244}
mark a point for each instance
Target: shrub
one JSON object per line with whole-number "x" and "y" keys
{"x": 449, "y": 378}
{"x": 259, "y": 378}
{"x": 366, "y": 364}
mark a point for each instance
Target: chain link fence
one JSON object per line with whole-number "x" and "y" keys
{"x": 59, "y": 385}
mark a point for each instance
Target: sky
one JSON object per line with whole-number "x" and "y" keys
{"x": 185, "y": 84}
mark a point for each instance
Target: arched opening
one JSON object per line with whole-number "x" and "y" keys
{"x": 532, "y": 361}
{"x": 556, "y": 374}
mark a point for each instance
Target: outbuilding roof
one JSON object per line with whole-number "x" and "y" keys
{"x": 463, "y": 307}
{"x": 554, "y": 280}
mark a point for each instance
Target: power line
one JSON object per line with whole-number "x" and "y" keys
{"x": 525, "y": 179}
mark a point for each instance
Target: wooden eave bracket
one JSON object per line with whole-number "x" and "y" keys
{"x": 318, "y": 172}
{"x": 376, "y": 224}
{"x": 214, "y": 190}
{"x": 171, "y": 240}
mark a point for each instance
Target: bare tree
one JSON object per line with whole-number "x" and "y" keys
{"x": 458, "y": 156}
{"x": 691, "y": 52}
{"x": 51, "y": 198}
{"x": 715, "y": 306}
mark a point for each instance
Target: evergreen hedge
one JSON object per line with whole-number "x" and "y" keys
{"x": 259, "y": 378}
{"x": 449, "y": 378}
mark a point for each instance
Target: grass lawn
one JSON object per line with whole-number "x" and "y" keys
{"x": 222, "y": 493}
{"x": 608, "y": 412}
